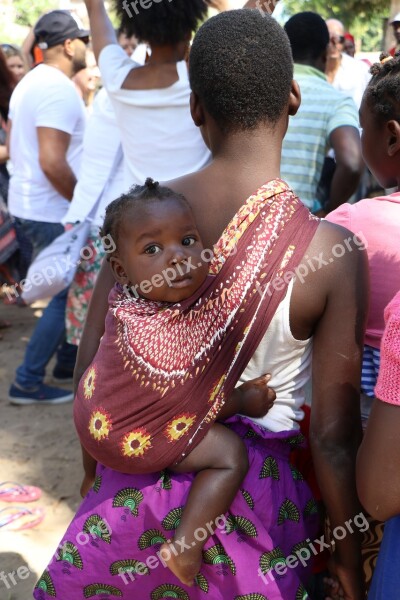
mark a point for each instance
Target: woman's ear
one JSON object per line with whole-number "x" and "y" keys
{"x": 118, "y": 270}
{"x": 196, "y": 110}
{"x": 394, "y": 137}
{"x": 294, "y": 98}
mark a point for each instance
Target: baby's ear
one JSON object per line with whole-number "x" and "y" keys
{"x": 393, "y": 128}
{"x": 118, "y": 270}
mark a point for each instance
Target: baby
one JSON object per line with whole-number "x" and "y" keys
{"x": 159, "y": 262}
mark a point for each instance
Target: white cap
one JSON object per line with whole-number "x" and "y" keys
{"x": 396, "y": 19}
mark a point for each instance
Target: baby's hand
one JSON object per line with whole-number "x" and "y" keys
{"x": 257, "y": 397}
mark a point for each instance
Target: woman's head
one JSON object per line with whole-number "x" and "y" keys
{"x": 15, "y": 61}
{"x": 7, "y": 84}
{"x": 241, "y": 69}
{"x": 158, "y": 250}
{"x": 161, "y": 22}
{"x": 128, "y": 43}
{"x": 380, "y": 121}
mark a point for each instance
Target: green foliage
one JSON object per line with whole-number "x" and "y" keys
{"x": 28, "y": 12}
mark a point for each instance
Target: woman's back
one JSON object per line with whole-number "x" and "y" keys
{"x": 158, "y": 135}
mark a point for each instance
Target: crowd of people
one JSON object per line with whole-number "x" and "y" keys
{"x": 245, "y": 309}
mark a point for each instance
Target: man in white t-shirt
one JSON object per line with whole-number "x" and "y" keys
{"x": 347, "y": 74}
{"x": 47, "y": 125}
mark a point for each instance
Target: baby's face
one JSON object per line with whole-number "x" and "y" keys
{"x": 159, "y": 253}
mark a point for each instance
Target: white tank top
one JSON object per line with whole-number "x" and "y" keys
{"x": 289, "y": 362}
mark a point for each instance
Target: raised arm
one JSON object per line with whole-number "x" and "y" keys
{"x": 262, "y": 5}
{"x": 335, "y": 432}
{"x": 101, "y": 28}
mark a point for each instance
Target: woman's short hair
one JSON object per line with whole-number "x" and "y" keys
{"x": 241, "y": 68}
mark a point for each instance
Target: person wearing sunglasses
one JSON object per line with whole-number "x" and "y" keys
{"x": 345, "y": 73}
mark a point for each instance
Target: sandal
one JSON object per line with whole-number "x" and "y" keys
{"x": 27, "y": 518}
{"x": 14, "y": 492}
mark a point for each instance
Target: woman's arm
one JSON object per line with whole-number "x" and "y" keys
{"x": 378, "y": 462}
{"x": 101, "y": 28}
{"x": 4, "y": 156}
{"x": 27, "y": 47}
{"x": 335, "y": 430}
{"x": 94, "y": 324}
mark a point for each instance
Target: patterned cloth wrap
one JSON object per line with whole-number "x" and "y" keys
{"x": 81, "y": 289}
{"x": 163, "y": 371}
{"x": 110, "y": 548}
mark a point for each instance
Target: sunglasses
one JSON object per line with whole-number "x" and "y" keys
{"x": 337, "y": 39}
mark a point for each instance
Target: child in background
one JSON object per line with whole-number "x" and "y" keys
{"x": 377, "y": 220}
{"x": 158, "y": 260}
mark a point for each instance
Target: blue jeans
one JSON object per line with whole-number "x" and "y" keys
{"x": 49, "y": 334}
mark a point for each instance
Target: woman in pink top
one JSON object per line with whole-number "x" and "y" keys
{"x": 377, "y": 220}
{"x": 378, "y": 464}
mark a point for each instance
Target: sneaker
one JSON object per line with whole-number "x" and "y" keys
{"x": 43, "y": 394}
{"x": 62, "y": 375}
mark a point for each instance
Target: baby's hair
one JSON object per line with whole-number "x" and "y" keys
{"x": 138, "y": 195}
{"x": 383, "y": 92}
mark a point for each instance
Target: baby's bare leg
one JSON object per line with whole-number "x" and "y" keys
{"x": 221, "y": 458}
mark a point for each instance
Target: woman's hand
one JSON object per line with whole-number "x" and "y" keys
{"x": 345, "y": 583}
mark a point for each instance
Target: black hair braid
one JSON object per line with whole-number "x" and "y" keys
{"x": 383, "y": 91}
{"x": 138, "y": 195}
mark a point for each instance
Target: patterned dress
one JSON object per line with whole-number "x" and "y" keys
{"x": 110, "y": 548}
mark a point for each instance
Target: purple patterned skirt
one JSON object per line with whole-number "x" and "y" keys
{"x": 259, "y": 550}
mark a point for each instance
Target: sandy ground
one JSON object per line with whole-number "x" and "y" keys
{"x": 38, "y": 446}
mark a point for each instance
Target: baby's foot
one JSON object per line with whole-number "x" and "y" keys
{"x": 185, "y": 564}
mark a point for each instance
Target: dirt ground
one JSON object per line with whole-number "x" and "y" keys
{"x": 38, "y": 446}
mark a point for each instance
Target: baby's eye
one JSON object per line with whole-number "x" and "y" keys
{"x": 189, "y": 240}
{"x": 152, "y": 249}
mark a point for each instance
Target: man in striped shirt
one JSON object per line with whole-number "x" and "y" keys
{"x": 326, "y": 119}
